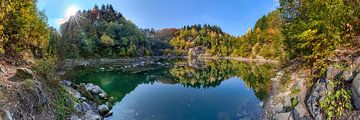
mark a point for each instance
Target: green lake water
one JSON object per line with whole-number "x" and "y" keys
{"x": 206, "y": 90}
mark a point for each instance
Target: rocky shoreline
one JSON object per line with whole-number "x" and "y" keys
{"x": 281, "y": 105}
{"x": 90, "y": 101}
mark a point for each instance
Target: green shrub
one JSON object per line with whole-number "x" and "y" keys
{"x": 336, "y": 101}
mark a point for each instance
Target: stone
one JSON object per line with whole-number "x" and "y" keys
{"x": 77, "y": 95}
{"x": 279, "y": 108}
{"x": 319, "y": 90}
{"x": 300, "y": 112}
{"x": 66, "y": 82}
{"x": 331, "y": 72}
{"x": 86, "y": 106}
{"x": 355, "y": 87}
{"x": 22, "y": 74}
{"x": 90, "y": 115}
{"x": 5, "y": 115}
{"x": 108, "y": 114}
{"x": 82, "y": 89}
{"x": 103, "y": 109}
{"x": 74, "y": 117}
{"x": 78, "y": 107}
{"x": 284, "y": 116}
{"x": 103, "y": 95}
{"x": 89, "y": 86}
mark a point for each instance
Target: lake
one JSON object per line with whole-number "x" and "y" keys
{"x": 186, "y": 90}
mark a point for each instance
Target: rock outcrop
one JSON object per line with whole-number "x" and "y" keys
{"x": 355, "y": 87}
{"x": 22, "y": 74}
{"x": 86, "y": 94}
{"x": 318, "y": 91}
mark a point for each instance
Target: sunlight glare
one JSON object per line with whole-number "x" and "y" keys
{"x": 71, "y": 11}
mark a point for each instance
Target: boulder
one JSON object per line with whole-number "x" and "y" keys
{"x": 355, "y": 87}
{"x": 319, "y": 90}
{"x": 22, "y": 74}
{"x": 103, "y": 109}
{"x": 96, "y": 90}
{"x": 82, "y": 89}
{"x": 86, "y": 106}
{"x": 103, "y": 95}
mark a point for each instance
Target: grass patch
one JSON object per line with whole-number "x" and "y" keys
{"x": 63, "y": 104}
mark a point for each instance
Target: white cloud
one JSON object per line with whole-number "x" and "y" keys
{"x": 60, "y": 21}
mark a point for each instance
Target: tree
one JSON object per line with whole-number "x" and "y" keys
{"x": 313, "y": 33}
{"x": 22, "y": 27}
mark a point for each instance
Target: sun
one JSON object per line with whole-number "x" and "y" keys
{"x": 71, "y": 11}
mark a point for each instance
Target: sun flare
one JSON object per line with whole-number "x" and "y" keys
{"x": 71, "y": 11}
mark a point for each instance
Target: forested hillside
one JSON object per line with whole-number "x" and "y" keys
{"x": 101, "y": 32}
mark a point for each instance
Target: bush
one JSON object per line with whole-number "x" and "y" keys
{"x": 336, "y": 101}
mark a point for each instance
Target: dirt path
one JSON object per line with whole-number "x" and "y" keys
{"x": 21, "y": 102}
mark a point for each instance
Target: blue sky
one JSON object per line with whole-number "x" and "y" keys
{"x": 233, "y": 16}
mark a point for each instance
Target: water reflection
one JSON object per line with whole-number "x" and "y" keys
{"x": 189, "y": 73}
{"x": 210, "y": 89}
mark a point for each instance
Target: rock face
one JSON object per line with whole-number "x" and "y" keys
{"x": 355, "y": 87}
{"x": 22, "y": 74}
{"x": 319, "y": 90}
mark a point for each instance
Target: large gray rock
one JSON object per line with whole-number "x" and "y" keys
{"x": 318, "y": 92}
{"x": 355, "y": 87}
{"x": 82, "y": 89}
{"x": 96, "y": 90}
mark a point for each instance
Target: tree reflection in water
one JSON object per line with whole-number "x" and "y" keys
{"x": 198, "y": 74}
